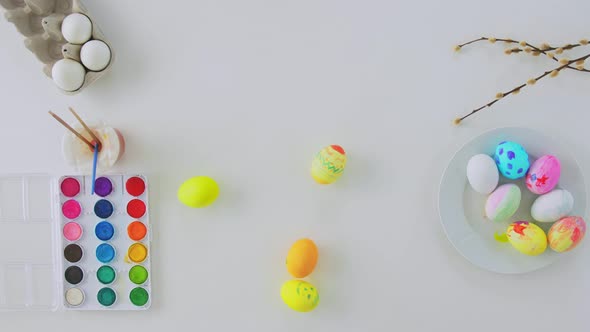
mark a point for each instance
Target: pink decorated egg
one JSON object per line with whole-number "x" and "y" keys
{"x": 566, "y": 233}
{"x": 543, "y": 175}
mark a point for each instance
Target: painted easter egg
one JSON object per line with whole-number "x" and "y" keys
{"x": 503, "y": 202}
{"x": 566, "y": 233}
{"x": 527, "y": 238}
{"x": 300, "y": 295}
{"x": 328, "y": 164}
{"x": 512, "y": 160}
{"x": 302, "y": 258}
{"x": 543, "y": 175}
{"x": 198, "y": 192}
{"x": 482, "y": 174}
{"x": 552, "y": 206}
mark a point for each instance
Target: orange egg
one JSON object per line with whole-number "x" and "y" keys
{"x": 302, "y": 258}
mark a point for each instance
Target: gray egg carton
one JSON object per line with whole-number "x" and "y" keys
{"x": 39, "y": 21}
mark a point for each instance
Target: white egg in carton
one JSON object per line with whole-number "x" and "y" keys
{"x": 64, "y": 38}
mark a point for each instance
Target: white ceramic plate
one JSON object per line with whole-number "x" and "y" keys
{"x": 462, "y": 209}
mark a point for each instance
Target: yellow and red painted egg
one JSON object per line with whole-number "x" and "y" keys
{"x": 527, "y": 238}
{"x": 566, "y": 233}
{"x": 328, "y": 165}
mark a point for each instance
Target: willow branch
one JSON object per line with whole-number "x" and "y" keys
{"x": 544, "y": 49}
{"x": 501, "y": 95}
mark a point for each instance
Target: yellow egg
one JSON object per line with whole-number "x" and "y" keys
{"x": 198, "y": 192}
{"x": 527, "y": 238}
{"x": 328, "y": 164}
{"x": 300, "y": 295}
{"x": 302, "y": 258}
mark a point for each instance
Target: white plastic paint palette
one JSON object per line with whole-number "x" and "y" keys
{"x": 63, "y": 247}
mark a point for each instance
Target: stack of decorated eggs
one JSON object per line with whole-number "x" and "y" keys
{"x": 82, "y": 53}
{"x": 553, "y": 205}
{"x": 298, "y": 294}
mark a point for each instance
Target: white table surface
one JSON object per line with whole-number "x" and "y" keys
{"x": 247, "y": 92}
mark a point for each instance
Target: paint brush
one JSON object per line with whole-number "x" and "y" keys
{"x": 60, "y": 120}
{"x": 94, "y": 164}
{"x": 90, "y": 132}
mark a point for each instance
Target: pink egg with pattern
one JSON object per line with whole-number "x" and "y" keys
{"x": 543, "y": 175}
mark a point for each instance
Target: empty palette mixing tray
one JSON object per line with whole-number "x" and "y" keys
{"x": 65, "y": 248}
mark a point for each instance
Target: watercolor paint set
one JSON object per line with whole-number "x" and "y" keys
{"x": 64, "y": 247}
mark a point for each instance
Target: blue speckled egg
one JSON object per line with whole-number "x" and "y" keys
{"x": 512, "y": 160}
